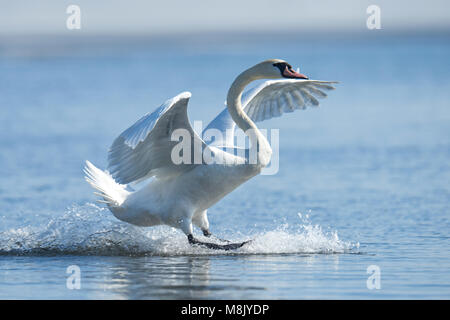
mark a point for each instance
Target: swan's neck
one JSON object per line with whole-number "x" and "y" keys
{"x": 257, "y": 139}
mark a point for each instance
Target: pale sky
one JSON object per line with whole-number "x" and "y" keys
{"x": 175, "y": 16}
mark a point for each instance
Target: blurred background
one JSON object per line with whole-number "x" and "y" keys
{"x": 370, "y": 166}
{"x": 142, "y": 17}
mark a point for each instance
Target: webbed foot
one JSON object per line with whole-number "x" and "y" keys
{"x": 210, "y": 245}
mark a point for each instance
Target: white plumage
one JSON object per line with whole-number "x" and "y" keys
{"x": 113, "y": 193}
{"x": 179, "y": 194}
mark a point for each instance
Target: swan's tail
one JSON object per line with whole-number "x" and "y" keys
{"x": 113, "y": 193}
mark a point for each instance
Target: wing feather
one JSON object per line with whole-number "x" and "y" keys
{"x": 271, "y": 99}
{"x": 309, "y": 98}
{"x": 144, "y": 149}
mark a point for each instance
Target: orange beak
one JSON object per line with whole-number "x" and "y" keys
{"x": 290, "y": 74}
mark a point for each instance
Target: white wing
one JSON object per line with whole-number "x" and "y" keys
{"x": 268, "y": 100}
{"x": 144, "y": 149}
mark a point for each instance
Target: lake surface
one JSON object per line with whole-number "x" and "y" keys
{"x": 363, "y": 180}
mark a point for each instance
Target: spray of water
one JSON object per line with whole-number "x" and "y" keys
{"x": 92, "y": 230}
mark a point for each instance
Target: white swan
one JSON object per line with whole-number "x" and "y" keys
{"x": 179, "y": 194}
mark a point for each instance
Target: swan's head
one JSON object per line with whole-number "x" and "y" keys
{"x": 276, "y": 69}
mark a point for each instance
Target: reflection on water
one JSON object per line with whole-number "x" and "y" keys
{"x": 285, "y": 276}
{"x": 181, "y": 277}
{"x": 206, "y": 277}
{"x": 159, "y": 278}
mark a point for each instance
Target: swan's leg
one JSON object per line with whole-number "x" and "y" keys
{"x": 186, "y": 226}
{"x": 200, "y": 219}
{"x": 206, "y": 233}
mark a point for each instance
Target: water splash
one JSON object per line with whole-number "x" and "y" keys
{"x": 92, "y": 230}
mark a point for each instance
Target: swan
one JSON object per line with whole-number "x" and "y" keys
{"x": 178, "y": 194}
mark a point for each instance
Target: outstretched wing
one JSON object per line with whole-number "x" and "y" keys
{"x": 268, "y": 100}
{"x": 144, "y": 150}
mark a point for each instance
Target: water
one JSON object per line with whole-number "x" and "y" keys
{"x": 363, "y": 180}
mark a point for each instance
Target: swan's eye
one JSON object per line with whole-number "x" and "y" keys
{"x": 282, "y": 66}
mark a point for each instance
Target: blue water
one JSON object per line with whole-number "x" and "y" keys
{"x": 363, "y": 180}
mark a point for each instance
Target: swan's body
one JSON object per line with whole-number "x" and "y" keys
{"x": 179, "y": 194}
